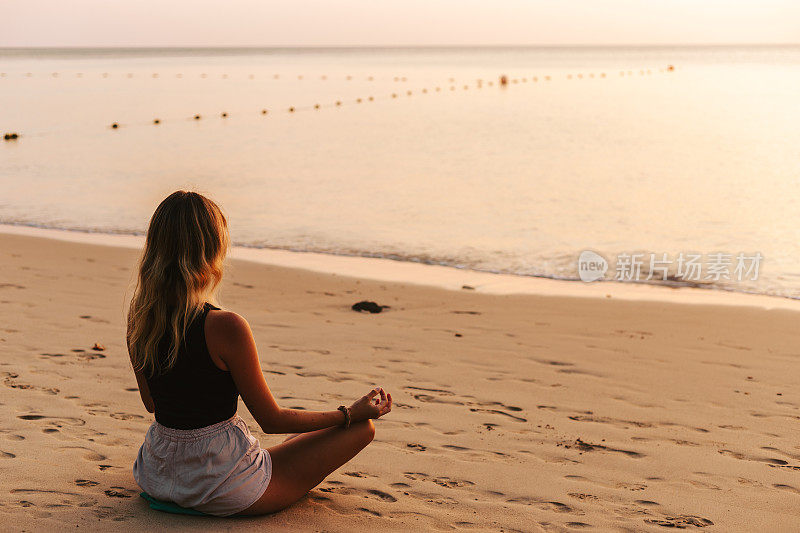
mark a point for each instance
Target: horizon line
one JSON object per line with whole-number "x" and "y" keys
{"x": 393, "y": 46}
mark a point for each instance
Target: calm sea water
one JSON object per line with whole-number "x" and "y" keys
{"x": 614, "y": 153}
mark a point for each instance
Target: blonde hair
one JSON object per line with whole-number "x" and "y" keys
{"x": 180, "y": 269}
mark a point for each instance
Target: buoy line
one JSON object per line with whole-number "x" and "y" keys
{"x": 502, "y": 81}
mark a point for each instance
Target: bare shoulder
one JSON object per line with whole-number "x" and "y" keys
{"x": 226, "y": 332}
{"x": 226, "y": 323}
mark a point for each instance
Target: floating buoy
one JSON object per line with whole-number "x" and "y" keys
{"x": 503, "y": 80}
{"x": 197, "y": 117}
{"x": 114, "y": 126}
{"x": 156, "y": 121}
{"x": 10, "y": 136}
{"x": 224, "y": 115}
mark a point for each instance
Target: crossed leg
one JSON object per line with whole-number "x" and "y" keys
{"x": 300, "y": 463}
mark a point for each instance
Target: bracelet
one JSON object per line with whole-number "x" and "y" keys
{"x": 346, "y": 411}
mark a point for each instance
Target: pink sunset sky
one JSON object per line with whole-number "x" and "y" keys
{"x": 393, "y": 22}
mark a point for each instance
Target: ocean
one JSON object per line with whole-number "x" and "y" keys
{"x": 421, "y": 154}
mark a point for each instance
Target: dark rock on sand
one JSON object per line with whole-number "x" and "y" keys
{"x": 372, "y": 307}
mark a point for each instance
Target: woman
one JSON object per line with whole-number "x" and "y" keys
{"x": 192, "y": 360}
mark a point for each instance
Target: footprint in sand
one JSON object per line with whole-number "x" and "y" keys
{"x": 680, "y": 522}
{"x": 69, "y": 420}
{"x": 746, "y": 457}
{"x": 498, "y": 412}
{"x": 87, "y": 356}
{"x": 383, "y": 496}
{"x": 584, "y": 446}
{"x": 94, "y": 319}
{"x": 86, "y": 483}
{"x": 125, "y": 416}
{"x": 11, "y": 382}
{"x": 442, "y": 481}
{"x": 788, "y": 488}
{"x": 90, "y": 454}
{"x": 119, "y": 492}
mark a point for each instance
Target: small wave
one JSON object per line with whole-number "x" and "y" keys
{"x": 672, "y": 281}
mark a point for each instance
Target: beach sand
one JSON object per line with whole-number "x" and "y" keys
{"x": 512, "y": 412}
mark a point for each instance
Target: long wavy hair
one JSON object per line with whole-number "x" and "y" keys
{"x": 180, "y": 269}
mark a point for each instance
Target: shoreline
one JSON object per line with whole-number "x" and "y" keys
{"x": 439, "y": 276}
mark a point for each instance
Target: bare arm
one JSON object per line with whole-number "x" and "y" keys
{"x": 229, "y": 337}
{"x": 144, "y": 391}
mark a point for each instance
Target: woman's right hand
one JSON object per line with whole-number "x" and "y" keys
{"x": 371, "y": 406}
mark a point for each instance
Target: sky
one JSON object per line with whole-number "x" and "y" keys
{"x": 395, "y": 22}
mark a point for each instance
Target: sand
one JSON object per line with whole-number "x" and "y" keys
{"x": 512, "y": 412}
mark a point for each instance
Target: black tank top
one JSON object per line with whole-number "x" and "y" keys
{"x": 195, "y": 392}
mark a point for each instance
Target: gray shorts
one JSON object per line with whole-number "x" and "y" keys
{"x": 218, "y": 469}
